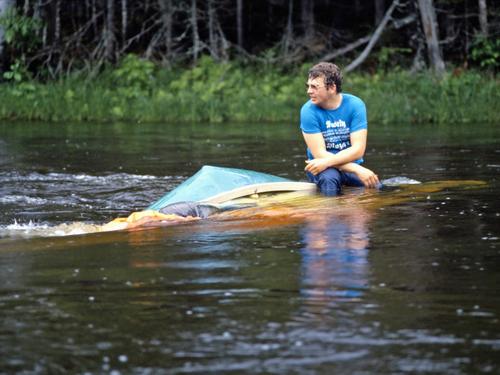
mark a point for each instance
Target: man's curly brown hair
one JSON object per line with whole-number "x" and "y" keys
{"x": 330, "y": 72}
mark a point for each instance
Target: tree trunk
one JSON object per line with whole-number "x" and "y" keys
{"x": 94, "y": 18}
{"x": 374, "y": 38}
{"x": 124, "y": 20}
{"x": 224, "y": 44}
{"x": 379, "y": 11}
{"x": 4, "y": 5}
{"x": 40, "y": 12}
{"x": 211, "y": 31}
{"x": 347, "y": 48}
{"x": 37, "y": 9}
{"x": 57, "y": 21}
{"x": 166, "y": 17}
{"x": 26, "y": 7}
{"x": 194, "y": 29}
{"x": 430, "y": 26}
{"x": 110, "y": 35}
{"x": 239, "y": 22}
{"x": 53, "y": 22}
{"x": 307, "y": 16}
{"x": 483, "y": 17}
{"x": 289, "y": 29}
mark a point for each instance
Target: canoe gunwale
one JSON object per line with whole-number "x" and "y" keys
{"x": 267, "y": 187}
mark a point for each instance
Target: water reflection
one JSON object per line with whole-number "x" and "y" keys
{"x": 335, "y": 256}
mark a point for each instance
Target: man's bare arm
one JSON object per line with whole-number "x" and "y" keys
{"x": 343, "y": 160}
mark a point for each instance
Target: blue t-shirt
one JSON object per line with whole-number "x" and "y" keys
{"x": 336, "y": 125}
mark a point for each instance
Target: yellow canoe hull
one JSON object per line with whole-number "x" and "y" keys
{"x": 290, "y": 207}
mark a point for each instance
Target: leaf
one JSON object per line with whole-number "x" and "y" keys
{"x": 117, "y": 111}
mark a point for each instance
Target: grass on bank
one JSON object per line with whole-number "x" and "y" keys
{"x": 137, "y": 91}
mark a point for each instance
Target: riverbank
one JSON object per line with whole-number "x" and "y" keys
{"x": 137, "y": 91}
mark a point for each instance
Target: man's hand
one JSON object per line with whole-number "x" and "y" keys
{"x": 367, "y": 176}
{"x": 316, "y": 166}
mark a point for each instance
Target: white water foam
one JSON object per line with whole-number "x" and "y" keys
{"x": 34, "y": 201}
{"x": 35, "y": 176}
{"x": 32, "y": 229}
{"x": 399, "y": 180}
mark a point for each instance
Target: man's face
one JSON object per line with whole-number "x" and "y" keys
{"x": 317, "y": 91}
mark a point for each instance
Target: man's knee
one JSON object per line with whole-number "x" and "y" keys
{"x": 330, "y": 182}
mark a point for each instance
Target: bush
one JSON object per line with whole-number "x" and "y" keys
{"x": 138, "y": 91}
{"x": 485, "y": 53}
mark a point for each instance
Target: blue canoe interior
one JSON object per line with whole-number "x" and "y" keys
{"x": 219, "y": 184}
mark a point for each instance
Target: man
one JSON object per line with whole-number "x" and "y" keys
{"x": 334, "y": 127}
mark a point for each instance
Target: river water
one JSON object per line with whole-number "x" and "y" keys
{"x": 389, "y": 287}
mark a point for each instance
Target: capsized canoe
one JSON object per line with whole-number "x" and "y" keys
{"x": 234, "y": 187}
{"x": 212, "y": 185}
{"x": 218, "y": 185}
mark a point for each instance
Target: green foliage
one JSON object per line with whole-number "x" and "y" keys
{"x": 207, "y": 79}
{"x": 214, "y": 92}
{"x": 218, "y": 91}
{"x": 134, "y": 76}
{"x": 20, "y": 32}
{"x": 17, "y": 73}
{"x": 419, "y": 98}
{"x": 486, "y": 52}
{"x": 390, "y": 57}
{"x": 125, "y": 88}
{"x": 24, "y": 91}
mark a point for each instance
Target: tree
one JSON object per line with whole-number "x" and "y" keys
{"x": 374, "y": 38}
{"x": 194, "y": 31}
{"x": 379, "y": 11}
{"x": 429, "y": 24}
{"x": 166, "y": 14}
{"x": 239, "y": 22}
{"x": 307, "y": 15}
{"x": 483, "y": 17}
{"x": 217, "y": 42}
{"x": 110, "y": 32}
{"x": 124, "y": 20}
{"x": 288, "y": 34}
{"x": 56, "y": 36}
{"x": 4, "y": 6}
